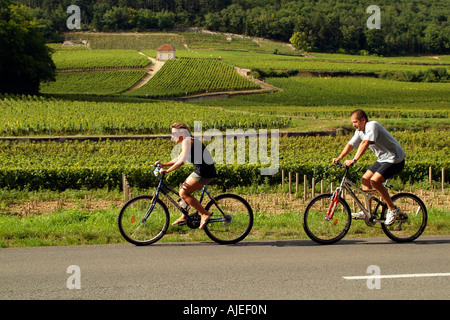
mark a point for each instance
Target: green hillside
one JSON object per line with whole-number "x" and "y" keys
{"x": 192, "y": 76}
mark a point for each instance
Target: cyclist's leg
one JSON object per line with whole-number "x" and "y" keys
{"x": 187, "y": 188}
{"x": 384, "y": 172}
{"x": 365, "y": 181}
{"x": 377, "y": 181}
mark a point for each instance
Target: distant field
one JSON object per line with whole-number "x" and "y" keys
{"x": 300, "y": 104}
{"x": 180, "y": 78}
{"x": 98, "y": 59}
{"x": 189, "y": 76}
{"x": 325, "y": 103}
{"x": 313, "y": 91}
{"x": 89, "y": 83}
{"x": 179, "y": 40}
{"x": 433, "y": 60}
{"x": 128, "y": 41}
{"x": 319, "y": 62}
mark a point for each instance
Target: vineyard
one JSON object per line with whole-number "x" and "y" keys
{"x": 91, "y": 98}
{"x": 128, "y": 41}
{"x": 318, "y": 62}
{"x": 83, "y": 72}
{"x": 348, "y": 91}
{"x": 193, "y": 76}
{"x": 99, "y": 59}
{"x": 325, "y": 103}
{"x": 93, "y": 83}
{"x": 23, "y": 116}
{"x": 79, "y": 165}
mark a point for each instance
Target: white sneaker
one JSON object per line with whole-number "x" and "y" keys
{"x": 391, "y": 215}
{"x": 358, "y": 215}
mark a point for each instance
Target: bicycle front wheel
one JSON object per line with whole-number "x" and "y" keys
{"x": 231, "y": 219}
{"x": 321, "y": 229}
{"x": 411, "y": 221}
{"x": 141, "y": 224}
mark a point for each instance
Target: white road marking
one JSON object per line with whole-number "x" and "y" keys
{"x": 394, "y": 276}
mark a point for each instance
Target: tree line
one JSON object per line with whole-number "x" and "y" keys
{"x": 25, "y": 60}
{"x": 407, "y": 26}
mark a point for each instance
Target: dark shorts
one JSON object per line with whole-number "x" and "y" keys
{"x": 386, "y": 169}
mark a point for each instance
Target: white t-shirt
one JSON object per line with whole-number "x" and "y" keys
{"x": 384, "y": 145}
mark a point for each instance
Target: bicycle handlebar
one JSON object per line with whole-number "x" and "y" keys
{"x": 157, "y": 170}
{"x": 337, "y": 163}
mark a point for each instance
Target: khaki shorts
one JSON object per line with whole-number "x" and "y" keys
{"x": 200, "y": 179}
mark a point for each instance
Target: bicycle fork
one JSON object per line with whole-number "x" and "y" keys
{"x": 332, "y": 206}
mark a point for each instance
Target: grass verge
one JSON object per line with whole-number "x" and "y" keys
{"x": 79, "y": 226}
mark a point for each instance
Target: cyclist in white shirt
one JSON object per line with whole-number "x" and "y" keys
{"x": 391, "y": 158}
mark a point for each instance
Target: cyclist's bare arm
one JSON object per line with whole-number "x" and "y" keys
{"x": 363, "y": 146}
{"x": 167, "y": 164}
{"x": 177, "y": 162}
{"x": 347, "y": 149}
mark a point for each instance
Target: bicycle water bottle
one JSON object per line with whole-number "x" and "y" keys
{"x": 183, "y": 205}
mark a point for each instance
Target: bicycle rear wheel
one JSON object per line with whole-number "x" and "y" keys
{"x": 231, "y": 219}
{"x": 139, "y": 226}
{"x": 412, "y": 220}
{"x": 323, "y": 230}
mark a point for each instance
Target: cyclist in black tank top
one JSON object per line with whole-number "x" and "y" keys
{"x": 202, "y": 160}
{"x": 192, "y": 150}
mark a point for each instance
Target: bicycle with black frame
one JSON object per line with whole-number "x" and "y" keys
{"x": 145, "y": 219}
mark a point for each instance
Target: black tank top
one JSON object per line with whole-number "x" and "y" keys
{"x": 202, "y": 160}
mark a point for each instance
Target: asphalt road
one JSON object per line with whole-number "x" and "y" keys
{"x": 272, "y": 270}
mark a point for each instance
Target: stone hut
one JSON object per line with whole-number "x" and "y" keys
{"x": 165, "y": 52}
